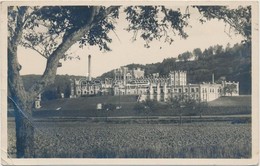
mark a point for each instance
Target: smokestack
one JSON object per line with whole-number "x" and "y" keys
{"x": 213, "y": 78}
{"x": 89, "y": 67}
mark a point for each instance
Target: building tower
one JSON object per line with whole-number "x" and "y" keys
{"x": 89, "y": 67}
{"x": 178, "y": 78}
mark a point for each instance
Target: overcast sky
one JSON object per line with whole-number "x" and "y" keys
{"x": 124, "y": 51}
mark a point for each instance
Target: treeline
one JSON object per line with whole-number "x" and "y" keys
{"x": 229, "y": 63}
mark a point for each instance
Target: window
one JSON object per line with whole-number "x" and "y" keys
{"x": 186, "y": 89}
{"x": 197, "y": 89}
{"x": 180, "y": 90}
{"x": 192, "y": 89}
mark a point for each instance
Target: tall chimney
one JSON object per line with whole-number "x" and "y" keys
{"x": 89, "y": 67}
{"x": 213, "y": 78}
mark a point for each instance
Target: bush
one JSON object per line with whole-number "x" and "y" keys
{"x": 109, "y": 107}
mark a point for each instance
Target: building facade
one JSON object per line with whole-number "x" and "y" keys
{"x": 156, "y": 87}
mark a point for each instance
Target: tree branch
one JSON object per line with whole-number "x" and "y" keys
{"x": 19, "y": 26}
{"x": 53, "y": 60}
{"x": 33, "y": 48}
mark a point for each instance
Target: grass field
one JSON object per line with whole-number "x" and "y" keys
{"x": 86, "y": 107}
{"x": 89, "y": 103}
{"x": 102, "y": 140}
{"x": 232, "y": 101}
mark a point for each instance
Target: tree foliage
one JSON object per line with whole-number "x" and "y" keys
{"x": 238, "y": 19}
{"x": 230, "y": 89}
{"x": 197, "y": 53}
{"x": 146, "y": 21}
{"x": 185, "y": 56}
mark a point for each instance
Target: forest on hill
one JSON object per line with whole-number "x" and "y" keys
{"x": 229, "y": 63}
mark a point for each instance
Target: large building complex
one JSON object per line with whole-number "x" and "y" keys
{"x": 155, "y": 87}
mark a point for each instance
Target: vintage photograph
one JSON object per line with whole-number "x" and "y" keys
{"x": 129, "y": 81}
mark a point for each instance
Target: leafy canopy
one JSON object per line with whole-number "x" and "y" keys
{"x": 45, "y": 27}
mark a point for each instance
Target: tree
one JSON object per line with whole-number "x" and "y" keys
{"x": 177, "y": 103}
{"x": 67, "y": 92}
{"x": 185, "y": 56}
{"x": 52, "y": 30}
{"x": 201, "y": 106}
{"x": 63, "y": 27}
{"x": 149, "y": 107}
{"x": 197, "y": 53}
{"x": 230, "y": 89}
{"x": 218, "y": 49}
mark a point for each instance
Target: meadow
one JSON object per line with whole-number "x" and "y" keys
{"x": 107, "y": 140}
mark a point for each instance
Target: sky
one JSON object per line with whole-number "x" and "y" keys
{"x": 125, "y": 51}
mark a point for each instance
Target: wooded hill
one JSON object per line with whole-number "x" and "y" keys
{"x": 231, "y": 64}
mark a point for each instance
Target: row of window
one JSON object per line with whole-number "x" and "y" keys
{"x": 179, "y": 90}
{"x": 211, "y": 90}
{"x": 85, "y": 92}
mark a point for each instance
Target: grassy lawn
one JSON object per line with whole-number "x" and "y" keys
{"x": 232, "y": 101}
{"x": 88, "y": 103}
{"x": 86, "y": 107}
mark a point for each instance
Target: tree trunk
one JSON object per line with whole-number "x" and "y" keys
{"x": 23, "y": 105}
{"x": 24, "y": 135}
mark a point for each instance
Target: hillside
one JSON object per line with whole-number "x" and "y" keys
{"x": 231, "y": 101}
{"x": 231, "y": 64}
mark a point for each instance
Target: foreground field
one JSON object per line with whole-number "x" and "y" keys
{"x": 102, "y": 140}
